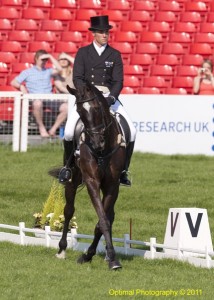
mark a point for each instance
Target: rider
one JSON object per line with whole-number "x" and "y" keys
{"x": 102, "y": 66}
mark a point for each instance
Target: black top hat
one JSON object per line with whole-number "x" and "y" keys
{"x": 100, "y": 23}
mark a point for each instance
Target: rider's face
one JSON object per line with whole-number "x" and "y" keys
{"x": 101, "y": 37}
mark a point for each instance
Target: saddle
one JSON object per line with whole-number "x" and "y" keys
{"x": 121, "y": 122}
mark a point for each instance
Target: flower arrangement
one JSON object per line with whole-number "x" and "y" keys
{"x": 52, "y": 213}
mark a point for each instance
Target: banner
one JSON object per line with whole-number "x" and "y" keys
{"x": 172, "y": 124}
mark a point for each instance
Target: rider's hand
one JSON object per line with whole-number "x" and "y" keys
{"x": 110, "y": 100}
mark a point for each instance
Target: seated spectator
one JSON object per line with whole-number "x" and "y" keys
{"x": 203, "y": 83}
{"x": 38, "y": 80}
{"x": 64, "y": 77}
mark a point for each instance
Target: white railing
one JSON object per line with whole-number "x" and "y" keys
{"x": 20, "y": 120}
{"x": 150, "y": 250}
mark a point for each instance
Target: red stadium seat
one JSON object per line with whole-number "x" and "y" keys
{"x": 183, "y": 82}
{"x": 119, "y": 5}
{"x": 91, "y": 4}
{"x": 165, "y": 71}
{"x": 155, "y": 81}
{"x": 20, "y": 36}
{"x": 196, "y": 7}
{"x": 127, "y": 90}
{"x": 69, "y": 47}
{"x": 173, "y": 48}
{"x": 204, "y": 37}
{"x": 27, "y": 57}
{"x": 5, "y": 25}
{"x": 114, "y": 15}
{"x": 62, "y": 14}
{"x": 207, "y": 27}
{"x": 79, "y": 25}
{"x": 40, "y": 3}
{"x": 141, "y": 59}
{"x": 165, "y": 16}
{"x": 11, "y": 46}
{"x": 7, "y": 12}
{"x": 201, "y": 48}
{"x": 7, "y": 57}
{"x": 72, "y": 36}
{"x": 192, "y": 59}
{"x": 125, "y": 36}
{"x": 162, "y": 27}
{"x": 65, "y": 3}
{"x": 34, "y": 46}
{"x": 147, "y": 48}
{"x": 175, "y": 91}
{"x": 149, "y": 90}
{"x": 19, "y": 67}
{"x": 141, "y": 16}
{"x": 144, "y": 5}
{"x": 136, "y": 70}
{"x": 48, "y": 36}
{"x": 152, "y": 37}
{"x": 134, "y": 26}
{"x": 85, "y": 14}
{"x": 188, "y": 27}
{"x": 173, "y": 6}
{"x": 168, "y": 59}
{"x": 187, "y": 71}
{"x": 52, "y": 25}
{"x": 191, "y": 16}
{"x": 182, "y": 38}
{"x": 28, "y": 24}
{"x": 12, "y": 3}
{"x": 132, "y": 81}
{"x": 33, "y": 13}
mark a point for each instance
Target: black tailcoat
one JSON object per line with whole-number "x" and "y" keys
{"x": 103, "y": 70}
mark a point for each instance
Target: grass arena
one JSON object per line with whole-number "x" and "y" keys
{"x": 159, "y": 182}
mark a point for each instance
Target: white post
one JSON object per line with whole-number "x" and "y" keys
{"x": 152, "y": 247}
{"x": 126, "y": 245}
{"x": 47, "y": 235}
{"x": 16, "y": 121}
{"x": 22, "y": 233}
{"x": 24, "y": 124}
{"x": 73, "y": 238}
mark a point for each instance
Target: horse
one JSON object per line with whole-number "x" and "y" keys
{"x": 98, "y": 165}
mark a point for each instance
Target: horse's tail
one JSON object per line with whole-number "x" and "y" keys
{"x": 54, "y": 172}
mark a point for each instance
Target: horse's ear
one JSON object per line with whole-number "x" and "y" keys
{"x": 71, "y": 91}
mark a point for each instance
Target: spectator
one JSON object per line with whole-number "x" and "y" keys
{"x": 38, "y": 80}
{"x": 203, "y": 83}
{"x": 65, "y": 77}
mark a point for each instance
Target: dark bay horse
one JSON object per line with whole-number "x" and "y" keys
{"x": 99, "y": 166}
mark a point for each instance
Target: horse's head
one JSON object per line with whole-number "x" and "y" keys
{"x": 94, "y": 113}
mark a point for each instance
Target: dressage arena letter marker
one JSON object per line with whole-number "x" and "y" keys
{"x": 188, "y": 228}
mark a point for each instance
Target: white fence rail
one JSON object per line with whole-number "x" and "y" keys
{"x": 155, "y": 250}
{"x": 19, "y": 104}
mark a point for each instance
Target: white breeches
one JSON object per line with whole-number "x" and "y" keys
{"x": 74, "y": 117}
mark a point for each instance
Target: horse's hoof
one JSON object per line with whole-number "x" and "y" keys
{"x": 83, "y": 259}
{"x": 61, "y": 255}
{"x": 114, "y": 265}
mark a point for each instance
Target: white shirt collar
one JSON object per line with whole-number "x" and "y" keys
{"x": 99, "y": 49}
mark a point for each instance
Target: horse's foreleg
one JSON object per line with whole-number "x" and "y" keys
{"x": 70, "y": 192}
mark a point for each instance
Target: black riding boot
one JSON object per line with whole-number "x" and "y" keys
{"x": 124, "y": 176}
{"x": 65, "y": 172}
